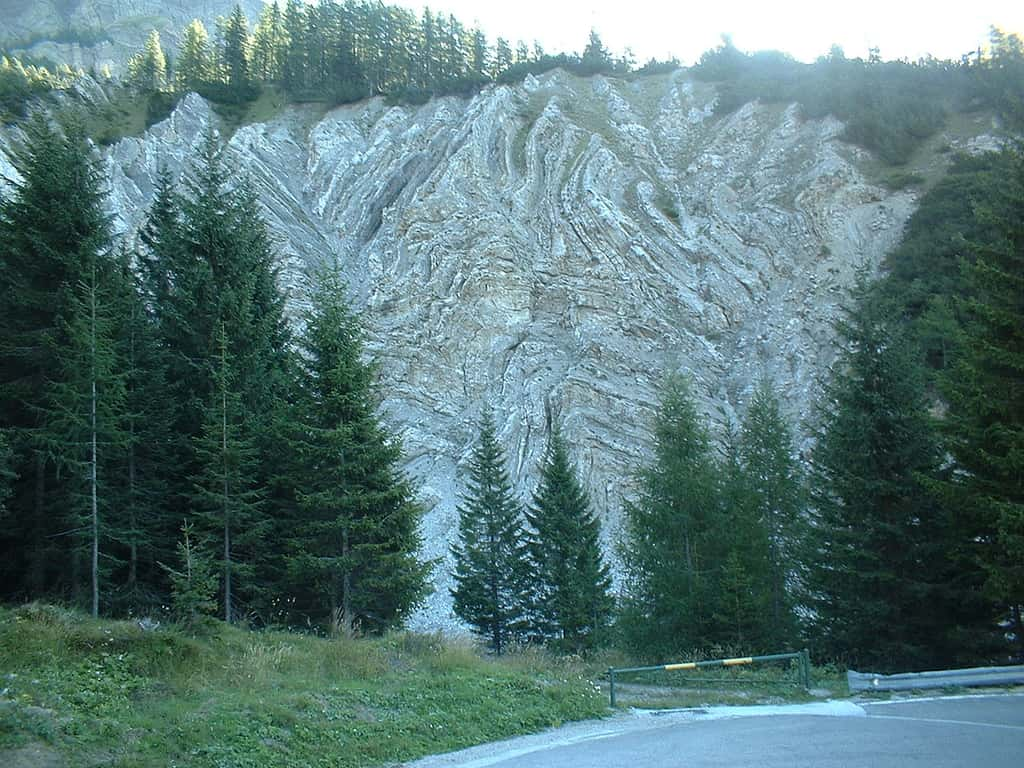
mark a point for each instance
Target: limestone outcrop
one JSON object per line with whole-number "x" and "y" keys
{"x": 553, "y": 248}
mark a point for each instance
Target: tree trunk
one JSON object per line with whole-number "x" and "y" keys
{"x": 224, "y": 460}
{"x": 37, "y": 558}
{"x": 346, "y": 590}
{"x": 93, "y": 458}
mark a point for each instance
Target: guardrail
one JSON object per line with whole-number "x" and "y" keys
{"x": 802, "y": 657}
{"x": 945, "y": 678}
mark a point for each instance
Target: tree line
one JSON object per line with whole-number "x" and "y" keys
{"x": 346, "y": 51}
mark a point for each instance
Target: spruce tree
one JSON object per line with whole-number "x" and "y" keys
{"x": 775, "y": 489}
{"x": 670, "y": 550}
{"x": 878, "y": 562}
{"x": 491, "y": 591}
{"x": 147, "y": 70}
{"x": 7, "y": 475}
{"x": 193, "y": 67}
{"x": 984, "y": 427}
{"x": 208, "y": 268}
{"x": 56, "y": 357}
{"x": 227, "y": 494}
{"x": 353, "y": 543}
{"x": 570, "y": 582}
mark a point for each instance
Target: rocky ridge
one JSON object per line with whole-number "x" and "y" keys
{"x": 553, "y": 248}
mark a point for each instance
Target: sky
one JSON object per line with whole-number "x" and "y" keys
{"x": 805, "y": 29}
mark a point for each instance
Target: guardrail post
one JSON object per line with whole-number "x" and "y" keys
{"x": 611, "y": 686}
{"x": 805, "y": 664}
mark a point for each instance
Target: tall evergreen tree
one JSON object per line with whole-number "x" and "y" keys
{"x": 775, "y": 490}
{"x": 879, "y": 563}
{"x": 571, "y": 583}
{"x": 491, "y": 591}
{"x": 353, "y": 543}
{"x": 227, "y": 494}
{"x": 209, "y": 267}
{"x": 147, "y": 70}
{"x": 984, "y": 427}
{"x": 670, "y": 548}
{"x": 194, "y": 65}
{"x": 55, "y": 346}
{"x": 236, "y": 54}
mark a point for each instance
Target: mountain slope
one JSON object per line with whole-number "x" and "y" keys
{"x": 553, "y": 248}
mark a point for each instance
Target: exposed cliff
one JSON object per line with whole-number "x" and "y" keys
{"x": 553, "y": 248}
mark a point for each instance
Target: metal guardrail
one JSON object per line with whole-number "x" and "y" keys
{"x": 803, "y": 659}
{"x": 945, "y": 678}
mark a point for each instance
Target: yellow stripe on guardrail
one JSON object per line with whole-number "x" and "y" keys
{"x": 737, "y": 662}
{"x": 687, "y": 665}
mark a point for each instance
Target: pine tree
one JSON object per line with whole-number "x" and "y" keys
{"x": 670, "y": 548}
{"x": 194, "y": 587}
{"x": 208, "y": 267}
{"x": 147, "y": 70}
{"x": 572, "y": 604}
{"x": 491, "y": 591}
{"x": 7, "y": 475}
{"x": 227, "y": 494}
{"x": 55, "y": 346}
{"x": 235, "y": 56}
{"x": 775, "y": 490}
{"x": 353, "y": 544}
{"x": 984, "y": 427}
{"x": 294, "y": 55}
{"x": 193, "y": 67}
{"x": 878, "y": 562}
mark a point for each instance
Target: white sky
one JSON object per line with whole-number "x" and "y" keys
{"x": 803, "y": 28}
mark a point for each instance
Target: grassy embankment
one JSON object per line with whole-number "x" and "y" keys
{"x": 79, "y": 692}
{"x": 107, "y": 693}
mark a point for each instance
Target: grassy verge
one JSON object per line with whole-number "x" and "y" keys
{"x": 107, "y": 693}
{"x": 777, "y": 683}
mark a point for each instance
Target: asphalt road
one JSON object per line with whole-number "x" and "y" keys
{"x": 967, "y": 731}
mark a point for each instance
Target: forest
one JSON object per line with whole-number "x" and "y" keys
{"x": 170, "y": 445}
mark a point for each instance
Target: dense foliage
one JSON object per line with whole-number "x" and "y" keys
{"x": 708, "y": 539}
{"x": 134, "y": 404}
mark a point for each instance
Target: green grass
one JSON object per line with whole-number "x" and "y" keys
{"x": 771, "y": 683}
{"x": 270, "y": 103}
{"x": 107, "y": 693}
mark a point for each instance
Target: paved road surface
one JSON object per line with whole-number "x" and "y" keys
{"x": 967, "y": 731}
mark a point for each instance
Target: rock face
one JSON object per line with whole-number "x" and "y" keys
{"x": 553, "y": 249}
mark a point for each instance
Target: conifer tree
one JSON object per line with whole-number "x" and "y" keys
{"x": 227, "y": 494}
{"x": 55, "y": 347}
{"x": 984, "y": 427}
{"x": 147, "y": 70}
{"x": 671, "y": 548}
{"x": 194, "y": 587}
{"x": 878, "y": 563}
{"x": 775, "y": 491}
{"x": 193, "y": 66}
{"x": 491, "y": 591}
{"x": 570, "y": 581}
{"x": 353, "y": 543}
{"x": 236, "y": 53}
{"x": 7, "y": 475}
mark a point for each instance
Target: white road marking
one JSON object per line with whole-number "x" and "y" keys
{"x": 948, "y": 722}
